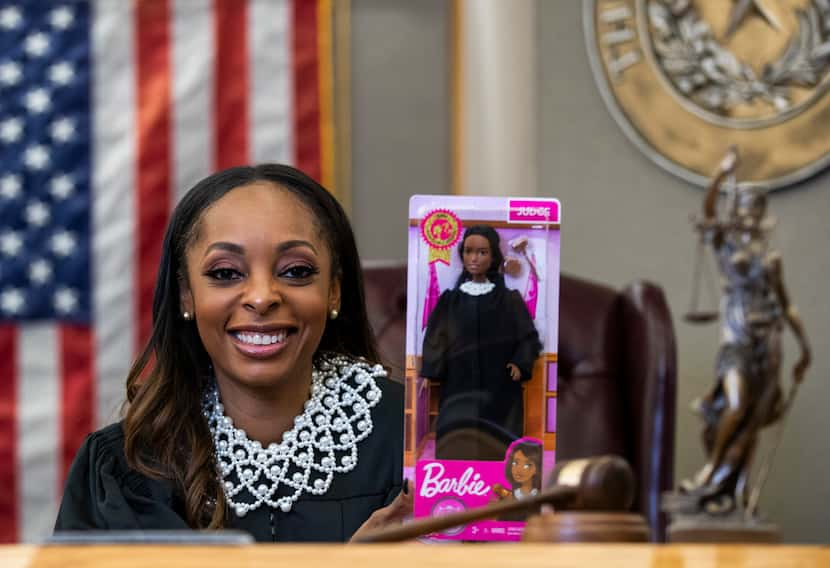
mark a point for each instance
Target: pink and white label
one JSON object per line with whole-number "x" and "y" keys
{"x": 446, "y": 487}
{"x": 533, "y": 211}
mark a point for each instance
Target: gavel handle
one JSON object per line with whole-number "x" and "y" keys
{"x": 555, "y": 496}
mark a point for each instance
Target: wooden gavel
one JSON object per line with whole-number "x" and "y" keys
{"x": 603, "y": 483}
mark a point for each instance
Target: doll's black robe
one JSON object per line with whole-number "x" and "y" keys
{"x": 468, "y": 343}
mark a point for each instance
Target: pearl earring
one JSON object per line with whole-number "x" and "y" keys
{"x": 334, "y": 314}
{"x": 187, "y": 316}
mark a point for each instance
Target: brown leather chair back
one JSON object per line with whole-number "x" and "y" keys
{"x": 617, "y": 373}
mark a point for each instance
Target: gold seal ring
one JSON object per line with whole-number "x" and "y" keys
{"x": 686, "y": 79}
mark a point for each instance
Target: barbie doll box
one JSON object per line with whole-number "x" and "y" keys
{"x": 482, "y": 322}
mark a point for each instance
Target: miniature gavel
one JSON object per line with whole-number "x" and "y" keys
{"x": 603, "y": 483}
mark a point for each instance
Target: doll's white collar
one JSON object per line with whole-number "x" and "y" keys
{"x": 477, "y": 288}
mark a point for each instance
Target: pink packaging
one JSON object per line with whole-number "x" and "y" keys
{"x": 482, "y": 324}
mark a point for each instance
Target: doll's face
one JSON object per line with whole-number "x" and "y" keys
{"x": 521, "y": 468}
{"x": 477, "y": 255}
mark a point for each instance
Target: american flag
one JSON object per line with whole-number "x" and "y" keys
{"x": 109, "y": 111}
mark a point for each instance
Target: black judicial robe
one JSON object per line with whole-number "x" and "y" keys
{"x": 103, "y": 493}
{"x": 468, "y": 343}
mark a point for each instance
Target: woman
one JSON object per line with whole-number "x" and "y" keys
{"x": 480, "y": 344}
{"x": 255, "y": 404}
{"x": 754, "y": 308}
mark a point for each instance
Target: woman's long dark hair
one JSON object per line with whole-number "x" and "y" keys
{"x": 533, "y": 452}
{"x": 165, "y": 433}
{"x": 494, "y": 272}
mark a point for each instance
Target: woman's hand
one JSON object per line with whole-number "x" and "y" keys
{"x": 514, "y": 371}
{"x": 393, "y": 514}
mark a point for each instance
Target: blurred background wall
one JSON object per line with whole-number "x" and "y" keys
{"x": 624, "y": 217}
{"x": 400, "y": 116}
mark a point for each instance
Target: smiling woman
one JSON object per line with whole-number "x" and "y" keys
{"x": 259, "y": 270}
{"x": 257, "y": 403}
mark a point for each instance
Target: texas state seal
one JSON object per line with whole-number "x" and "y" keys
{"x": 685, "y": 79}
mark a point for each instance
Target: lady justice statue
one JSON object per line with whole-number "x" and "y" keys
{"x": 746, "y": 395}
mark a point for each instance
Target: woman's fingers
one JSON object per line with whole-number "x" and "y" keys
{"x": 394, "y": 513}
{"x": 398, "y": 509}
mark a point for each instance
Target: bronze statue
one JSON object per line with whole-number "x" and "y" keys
{"x": 754, "y": 308}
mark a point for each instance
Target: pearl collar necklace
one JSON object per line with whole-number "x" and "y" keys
{"x": 477, "y": 288}
{"x": 322, "y": 442}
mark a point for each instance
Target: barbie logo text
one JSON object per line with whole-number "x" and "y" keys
{"x": 533, "y": 211}
{"x": 435, "y": 483}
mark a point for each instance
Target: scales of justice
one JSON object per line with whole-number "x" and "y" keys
{"x": 719, "y": 502}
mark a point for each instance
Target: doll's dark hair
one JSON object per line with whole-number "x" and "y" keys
{"x": 494, "y": 272}
{"x": 533, "y": 452}
{"x": 165, "y": 434}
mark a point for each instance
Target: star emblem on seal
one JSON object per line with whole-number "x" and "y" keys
{"x": 686, "y": 79}
{"x": 742, "y": 8}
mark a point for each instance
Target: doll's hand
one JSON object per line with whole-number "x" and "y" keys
{"x": 393, "y": 514}
{"x": 501, "y": 492}
{"x": 514, "y": 371}
{"x": 512, "y": 266}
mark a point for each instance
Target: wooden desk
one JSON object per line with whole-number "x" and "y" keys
{"x": 417, "y": 555}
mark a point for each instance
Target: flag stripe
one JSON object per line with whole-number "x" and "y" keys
{"x": 78, "y": 392}
{"x": 193, "y": 65}
{"x": 306, "y": 89}
{"x": 113, "y": 202}
{"x": 271, "y": 88}
{"x": 325, "y": 76}
{"x": 160, "y": 75}
{"x": 8, "y": 434}
{"x": 38, "y": 376}
{"x": 154, "y": 148}
{"x": 231, "y": 83}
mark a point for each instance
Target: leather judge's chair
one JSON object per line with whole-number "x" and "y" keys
{"x": 617, "y": 373}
